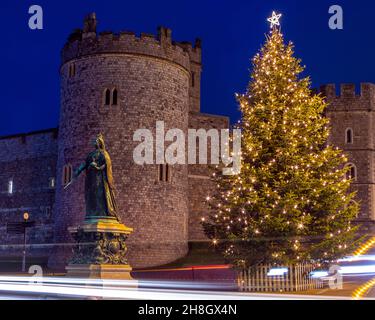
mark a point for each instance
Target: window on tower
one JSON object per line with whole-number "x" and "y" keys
{"x": 351, "y": 174}
{"x": 114, "y": 97}
{"x": 107, "y": 97}
{"x": 167, "y": 172}
{"x": 52, "y": 183}
{"x": 110, "y": 97}
{"x": 193, "y": 79}
{"x": 10, "y": 186}
{"x": 67, "y": 174}
{"x": 164, "y": 172}
{"x": 72, "y": 70}
{"x": 349, "y": 135}
{"x": 161, "y": 172}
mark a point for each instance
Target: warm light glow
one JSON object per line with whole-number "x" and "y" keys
{"x": 365, "y": 247}
{"x": 291, "y": 181}
{"x": 361, "y": 291}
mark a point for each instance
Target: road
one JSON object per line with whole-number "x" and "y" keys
{"x": 53, "y": 288}
{"x": 358, "y": 272}
{"x": 16, "y": 287}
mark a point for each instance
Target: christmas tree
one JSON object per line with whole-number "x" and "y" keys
{"x": 291, "y": 201}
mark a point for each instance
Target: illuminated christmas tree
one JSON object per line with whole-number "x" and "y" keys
{"x": 291, "y": 201}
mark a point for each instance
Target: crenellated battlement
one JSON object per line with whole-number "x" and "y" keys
{"x": 155, "y": 79}
{"x": 347, "y": 90}
{"x": 86, "y": 41}
{"x": 348, "y": 98}
{"x": 195, "y": 52}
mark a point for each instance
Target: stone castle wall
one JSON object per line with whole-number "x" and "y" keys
{"x": 156, "y": 79}
{"x": 200, "y": 184}
{"x": 30, "y": 162}
{"x": 152, "y": 78}
{"x": 356, "y": 111}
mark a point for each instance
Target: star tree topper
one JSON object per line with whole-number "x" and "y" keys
{"x": 275, "y": 19}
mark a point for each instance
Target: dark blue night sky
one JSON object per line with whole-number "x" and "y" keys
{"x": 231, "y": 33}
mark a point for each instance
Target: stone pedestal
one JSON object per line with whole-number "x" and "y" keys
{"x": 101, "y": 271}
{"x": 100, "y": 250}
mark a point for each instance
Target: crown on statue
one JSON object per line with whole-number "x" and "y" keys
{"x": 100, "y": 140}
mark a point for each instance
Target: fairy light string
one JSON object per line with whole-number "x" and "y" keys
{"x": 291, "y": 200}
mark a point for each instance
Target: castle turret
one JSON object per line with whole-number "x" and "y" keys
{"x": 195, "y": 55}
{"x": 352, "y": 120}
{"x": 116, "y": 84}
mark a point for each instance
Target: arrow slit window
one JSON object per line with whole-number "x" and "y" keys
{"x": 349, "y": 135}
{"x": 72, "y": 70}
{"x": 107, "y": 97}
{"x": 164, "y": 172}
{"x": 10, "y": 186}
{"x": 114, "y": 97}
{"x": 67, "y": 174}
{"x": 52, "y": 183}
{"x": 352, "y": 172}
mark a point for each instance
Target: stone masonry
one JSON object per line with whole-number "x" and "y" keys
{"x": 155, "y": 79}
{"x": 29, "y": 162}
{"x": 356, "y": 112}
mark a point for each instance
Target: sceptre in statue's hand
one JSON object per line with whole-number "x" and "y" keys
{"x": 75, "y": 175}
{"x": 67, "y": 185}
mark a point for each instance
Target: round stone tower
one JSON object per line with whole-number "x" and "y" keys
{"x": 116, "y": 84}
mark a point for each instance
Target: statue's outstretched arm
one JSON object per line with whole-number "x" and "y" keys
{"x": 80, "y": 169}
{"x": 76, "y": 174}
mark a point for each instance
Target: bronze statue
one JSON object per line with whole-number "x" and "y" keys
{"x": 99, "y": 187}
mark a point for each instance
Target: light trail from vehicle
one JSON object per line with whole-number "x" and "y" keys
{"x": 68, "y": 288}
{"x": 357, "y": 258}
